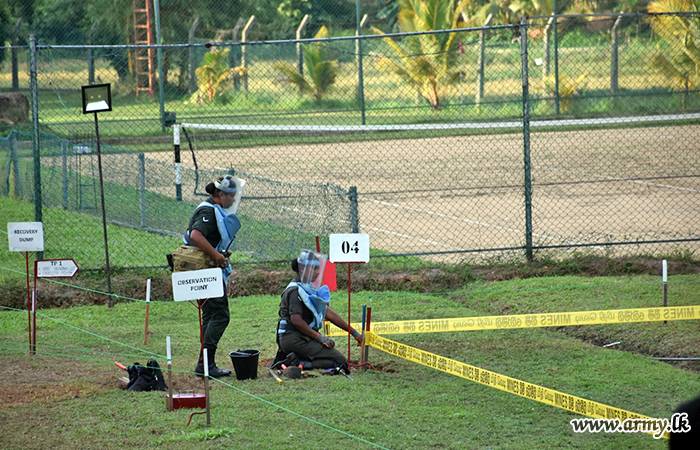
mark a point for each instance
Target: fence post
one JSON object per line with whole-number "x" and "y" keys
{"x": 480, "y": 63}
{"x": 64, "y": 171}
{"x": 547, "y": 52}
{"x": 526, "y": 140}
{"x": 176, "y": 153}
{"x": 90, "y": 55}
{"x": 142, "y": 188}
{"x": 300, "y": 56}
{"x": 614, "y": 44}
{"x": 13, "y": 56}
{"x": 360, "y": 89}
{"x": 12, "y": 158}
{"x": 354, "y": 211}
{"x": 192, "y": 84}
{"x": 159, "y": 56}
{"x": 15, "y": 162}
{"x": 244, "y": 53}
{"x": 556, "y": 58}
{"x": 35, "y": 131}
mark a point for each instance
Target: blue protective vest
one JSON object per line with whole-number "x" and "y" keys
{"x": 228, "y": 225}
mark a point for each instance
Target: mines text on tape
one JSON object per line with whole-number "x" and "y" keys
{"x": 505, "y": 383}
{"x": 542, "y": 320}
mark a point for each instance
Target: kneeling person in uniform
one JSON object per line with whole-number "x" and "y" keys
{"x": 303, "y": 308}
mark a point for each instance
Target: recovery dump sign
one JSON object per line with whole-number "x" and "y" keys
{"x": 25, "y": 236}
{"x": 197, "y": 284}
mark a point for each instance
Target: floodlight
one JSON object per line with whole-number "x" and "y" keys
{"x": 97, "y": 98}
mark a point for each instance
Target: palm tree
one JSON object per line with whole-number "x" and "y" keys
{"x": 679, "y": 61}
{"x": 322, "y": 71}
{"x": 426, "y": 62}
{"x": 214, "y": 74}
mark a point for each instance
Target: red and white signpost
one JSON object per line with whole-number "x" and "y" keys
{"x": 349, "y": 248}
{"x": 199, "y": 285}
{"x": 26, "y": 238}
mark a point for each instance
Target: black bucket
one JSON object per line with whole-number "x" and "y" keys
{"x": 245, "y": 363}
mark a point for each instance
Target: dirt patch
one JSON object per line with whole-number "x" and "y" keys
{"x": 47, "y": 379}
{"x": 249, "y": 281}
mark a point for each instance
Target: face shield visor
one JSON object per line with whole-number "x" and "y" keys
{"x": 311, "y": 266}
{"x": 231, "y": 185}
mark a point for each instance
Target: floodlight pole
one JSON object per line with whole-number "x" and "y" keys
{"x": 104, "y": 219}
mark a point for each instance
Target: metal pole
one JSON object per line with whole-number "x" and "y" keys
{"x": 349, "y": 321}
{"x": 360, "y": 75}
{"x": 556, "y": 58}
{"x": 354, "y": 214}
{"x": 142, "y": 187}
{"x": 526, "y": 140}
{"x": 178, "y": 173}
{"x": 36, "y": 154}
{"x": 104, "y": 216}
{"x": 159, "y": 56}
{"x": 64, "y": 169}
{"x": 29, "y": 302}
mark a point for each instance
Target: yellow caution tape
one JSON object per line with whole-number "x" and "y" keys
{"x": 530, "y": 391}
{"x": 560, "y": 319}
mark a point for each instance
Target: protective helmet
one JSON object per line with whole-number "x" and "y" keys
{"x": 231, "y": 185}
{"x": 311, "y": 266}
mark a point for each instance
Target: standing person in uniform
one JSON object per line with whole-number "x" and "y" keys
{"x": 303, "y": 308}
{"x": 212, "y": 228}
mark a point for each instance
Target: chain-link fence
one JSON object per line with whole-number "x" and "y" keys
{"x": 488, "y": 142}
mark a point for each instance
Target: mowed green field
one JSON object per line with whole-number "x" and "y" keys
{"x": 68, "y": 392}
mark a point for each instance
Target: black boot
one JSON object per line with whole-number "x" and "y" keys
{"x": 214, "y": 371}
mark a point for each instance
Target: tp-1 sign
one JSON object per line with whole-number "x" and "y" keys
{"x": 25, "y": 236}
{"x": 55, "y": 268}
{"x": 198, "y": 284}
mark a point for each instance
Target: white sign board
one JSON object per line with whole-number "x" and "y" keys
{"x": 25, "y": 236}
{"x": 55, "y": 268}
{"x": 347, "y": 248}
{"x": 198, "y": 284}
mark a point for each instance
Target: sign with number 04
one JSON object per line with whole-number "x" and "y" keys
{"x": 349, "y": 248}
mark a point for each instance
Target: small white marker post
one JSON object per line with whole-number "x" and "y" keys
{"x": 148, "y": 304}
{"x": 169, "y": 403}
{"x": 205, "y": 359}
{"x": 664, "y": 278}
{"x": 349, "y": 248}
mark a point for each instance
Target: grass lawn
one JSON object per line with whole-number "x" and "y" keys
{"x": 68, "y": 392}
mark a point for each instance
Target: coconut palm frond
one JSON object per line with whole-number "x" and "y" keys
{"x": 293, "y": 76}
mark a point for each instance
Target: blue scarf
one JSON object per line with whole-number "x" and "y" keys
{"x": 228, "y": 225}
{"x": 316, "y": 300}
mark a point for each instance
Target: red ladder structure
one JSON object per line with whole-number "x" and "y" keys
{"x": 144, "y": 58}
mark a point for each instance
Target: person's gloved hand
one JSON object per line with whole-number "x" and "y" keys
{"x": 325, "y": 340}
{"x": 358, "y": 337}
